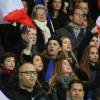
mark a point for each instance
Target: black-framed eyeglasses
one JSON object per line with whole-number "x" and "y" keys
{"x": 30, "y": 73}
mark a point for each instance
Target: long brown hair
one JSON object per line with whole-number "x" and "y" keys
{"x": 70, "y": 55}
{"x": 85, "y": 58}
{"x": 58, "y": 73}
{"x": 85, "y": 62}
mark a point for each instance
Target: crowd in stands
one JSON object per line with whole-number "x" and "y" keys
{"x": 59, "y": 59}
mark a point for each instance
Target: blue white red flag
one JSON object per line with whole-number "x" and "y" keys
{"x": 13, "y": 11}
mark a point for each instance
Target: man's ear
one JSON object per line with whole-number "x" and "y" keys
{"x": 19, "y": 75}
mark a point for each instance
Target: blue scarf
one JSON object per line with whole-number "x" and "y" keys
{"x": 49, "y": 70}
{"x": 39, "y": 2}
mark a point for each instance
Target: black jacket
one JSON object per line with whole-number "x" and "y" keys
{"x": 7, "y": 81}
{"x": 21, "y": 94}
{"x": 94, "y": 85}
{"x": 67, "y": 31}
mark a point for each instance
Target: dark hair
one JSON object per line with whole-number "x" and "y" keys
{"x": 75, "y": 82}
{"x": 50, "y": 8}
{"x": 56, "y": 39}
{"x": 35, "y": 54}
{"x": 6, "y": 55}
{"x": 25, "y": 29}
{"x": 73, "y": 11}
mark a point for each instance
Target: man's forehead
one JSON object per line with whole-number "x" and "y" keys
{"x": 83, "y": 4}
{"x": 78, "y": 11}
{"x": 27, "y": 67}
{"x": 9, "y": 58}
{"x": 77, "y": 86}
{"x": 53, "y": 41}
{"x": 31, "y": 29}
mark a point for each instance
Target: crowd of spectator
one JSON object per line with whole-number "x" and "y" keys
{"x": 59, "y": 59}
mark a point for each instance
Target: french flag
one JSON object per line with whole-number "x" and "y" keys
{"x": 13, "y": 11}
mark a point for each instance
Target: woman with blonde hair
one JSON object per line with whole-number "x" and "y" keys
{"x": 67, "y": 50}
{"x": 39, "y": 18}
{"x": 68, "y": 53}
{"x": 61, "y": 77}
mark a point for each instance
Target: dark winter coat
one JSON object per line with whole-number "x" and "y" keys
{"x": 21, "y": 94}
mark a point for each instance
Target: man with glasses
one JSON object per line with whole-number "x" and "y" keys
{"x": 27, "y": 89}
{"x": 74, "y": 29}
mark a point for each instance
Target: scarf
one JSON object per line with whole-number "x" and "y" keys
{"x": 50, "y": 70}
{"x": 10, "y": 72}
{"x": 76, "y": 29}
{"x": 44, "y": 28}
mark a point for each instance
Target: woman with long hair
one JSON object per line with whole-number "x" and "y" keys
{"x": 90, "y": 60}
{"x": 90, "y": 64}
{"x": 68, "y": 53}
{"x": 55, "y": 10}
{"x": 67, "y": 50}
{"x": 61, "y": 77}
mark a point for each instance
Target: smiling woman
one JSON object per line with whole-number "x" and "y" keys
{"x": 39, "y": 15}
{"x": 37, "y": 62}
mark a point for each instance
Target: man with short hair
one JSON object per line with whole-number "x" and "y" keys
{"x": 74, "y": 29}
{"x": 76, "y": 90}
{"x": 49, "y": 57}
{"x": 84, "y": 6}
{"x": 27, "y": 89}
{"x": 54, "y": 47}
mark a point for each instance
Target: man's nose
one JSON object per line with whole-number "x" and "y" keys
{"x": 77, "y": 92}
{"x": 52, "y": 45}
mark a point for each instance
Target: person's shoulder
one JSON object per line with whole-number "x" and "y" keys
{"x": 98, "y": 66}
{"x": 63, "y": 14}
{"x": 64, "y": 31}
{"x": 66, "y": 27}
{"x": 41, "y": 94}
{"x": 11, "y": 94}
